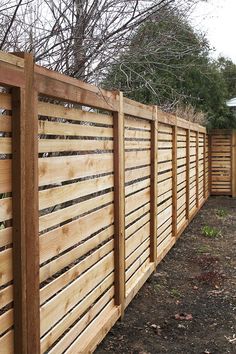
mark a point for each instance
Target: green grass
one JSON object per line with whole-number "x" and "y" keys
{"x": 210, "y": 232}
{"x": 175, "y": 293}
{"x": 204, "y": 249}
{"x": 222, "y": 212}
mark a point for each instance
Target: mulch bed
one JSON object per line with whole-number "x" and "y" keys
{"x": 189, "y": 304}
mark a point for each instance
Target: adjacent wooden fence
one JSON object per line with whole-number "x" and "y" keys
{"x": 91, "y": 201}
{"x": 223, "y": 162}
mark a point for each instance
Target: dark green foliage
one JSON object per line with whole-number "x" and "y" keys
{"x": 168, "y": 63}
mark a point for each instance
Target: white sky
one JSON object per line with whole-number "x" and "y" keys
{"x": 217, "y": 18}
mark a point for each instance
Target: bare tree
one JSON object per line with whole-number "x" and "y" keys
{"x": 78, "y": 37}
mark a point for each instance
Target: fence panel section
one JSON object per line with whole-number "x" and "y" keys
{"x": 6, "y": 246}
{"x": 76, "y": 201}
{"x": 137, "y": 199}
{"x": 221, "y": 162}
{"x": 164, "y": 186}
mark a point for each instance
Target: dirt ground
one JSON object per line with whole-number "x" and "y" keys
{"x": 189, "y": 304}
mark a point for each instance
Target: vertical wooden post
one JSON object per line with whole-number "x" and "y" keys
{"x": 153, "y": 206}
{"x": 25, "y": 214}
{"x": 234, "y": 163}
{"x": 197, "y": 170}
{"x": 204, "y": 167}
{"x": 119, "y": 202}
{"x": 174, "y": 182}
{"x": 187, "y": 172}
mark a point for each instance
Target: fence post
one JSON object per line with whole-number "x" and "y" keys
{"x": 187, "y": 172}
{"x": 197, "y": 170}
{"x": 25, "y": 214}
{"x": 119, "y": 204}
{"x": 153, "y": 206}
{"x": 174, "y": 181}
{"x": 234, "y": 163}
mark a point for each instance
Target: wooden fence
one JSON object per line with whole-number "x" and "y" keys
{"x": 91, "y": 201}
{"x": 223, "y": 162}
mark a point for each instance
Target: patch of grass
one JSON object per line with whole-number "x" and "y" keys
{"x": 175, "y": 293}
{"x": 210, "y": 232}
{"x": 157, "y": 287}
{"x": 221, "y": 212}
{"x": 204, "y": 249}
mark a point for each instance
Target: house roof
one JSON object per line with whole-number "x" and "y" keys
{"x": 232, "y": 102}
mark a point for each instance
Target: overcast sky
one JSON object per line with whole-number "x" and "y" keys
{"x": 217, "y": 19}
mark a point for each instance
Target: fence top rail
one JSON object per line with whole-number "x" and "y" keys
{"x": 59, "y": 86}
{"x": 11, "y": 59}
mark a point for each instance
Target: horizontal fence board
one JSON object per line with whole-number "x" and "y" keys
{"x": 58, "y": 169}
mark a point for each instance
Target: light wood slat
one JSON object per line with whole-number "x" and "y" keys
{"x": 57, "y": 169}
{"x": 137, "y": 144}
{"x": 6, "y": 321}
{"x": 137, "y": 158}
{"x": 164, "y": 128}
{"x": 58, "y": 240}
{"x": 5, "y": 123}
{"x": 69, "y": 129}
{"x": 5, "y": 176}
{"x": 5, "y": 145}
{"x": 132, "y": 188}
{"x": 54, "y": 145}
{"x": 165, "y": 215}
{"x": 140, "y": 280}
{"x": 137, "y": 264}
{"x": 164, "y": 145}
{"x": 73, "y": 333}
{"x": 162, "y": 228}
{"x": 6, "y": 296}
{"x": 137, "y": 238}
{"x": 6, "y": 266}
{"x": 164, "y": 155}
{"x": 72, "y": 316}
{"x": 164, "y": 176}
{"x": 74, "y": 272}
{"x": 132, "y": 281}
{"x": 137, "y": 134}
{"x": 135, "y": 226}
{"x": 164, "y": 196}
{"x": 165, "y": 138}
{"x": 164, "y": 166}
{"x": 164, "y": 186}
{"x": 137, "y": 214}
{"x": 6, "y": 343}
{"x": 59, "y": 111}
{"x": 55, "y": 218}
{"x": 56, "y": 308}
{"x": 58, "y": 195}
{"x": 5, "y": 209}
{"x": 134, "y": 255}
{"x": 135, "y": 174}
{"x": 5, "y": 236}
{"x": 97, "y": 330}
{"x": 5, "y": 101}
{"x": 135, "y": 200}
{"x": 76, "y": 252}
{"x": 167, "y": 233}
{"x": 137, "y": 123}
{"x": 164, "y": 205}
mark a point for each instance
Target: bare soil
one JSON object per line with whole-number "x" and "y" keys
{"x": 189, "y": 304}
